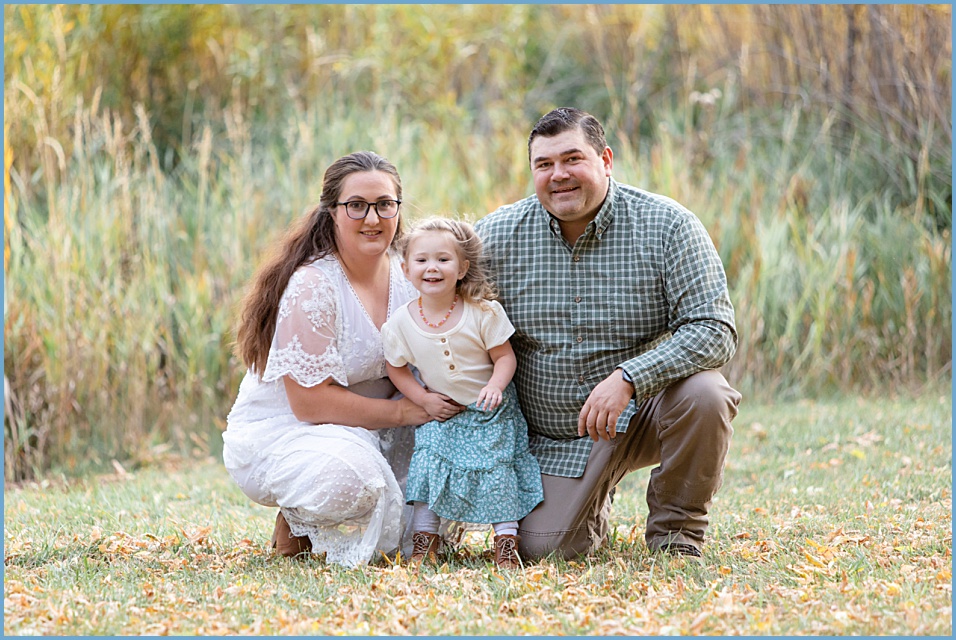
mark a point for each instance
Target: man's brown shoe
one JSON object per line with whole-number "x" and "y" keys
{"x": 506, "y": 552}
{"x": 688, "y": 553}
{"x": 287, "y": 544}
{"x": 425, "y": 547}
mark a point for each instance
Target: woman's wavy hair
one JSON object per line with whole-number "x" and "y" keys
{"x": 475, "y": 286}
{"x": 310, "y": 238}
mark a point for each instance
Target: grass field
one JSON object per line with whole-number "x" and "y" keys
{"x": 835, "y": 518}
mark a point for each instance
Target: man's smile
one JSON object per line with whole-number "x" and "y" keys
{"x": 564, "y": 190}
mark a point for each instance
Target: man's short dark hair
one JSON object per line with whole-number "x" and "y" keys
{"x": 566, "y": 119}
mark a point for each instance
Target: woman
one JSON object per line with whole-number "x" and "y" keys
{"x": 317, "y": 428}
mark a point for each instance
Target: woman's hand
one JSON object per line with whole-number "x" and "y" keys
{"x": 412, "y": 415}
{"x": 489, "y": 398}
{"x": 440, "y": 407}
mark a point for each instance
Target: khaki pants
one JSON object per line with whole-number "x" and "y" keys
{"x": 686, "y": 429}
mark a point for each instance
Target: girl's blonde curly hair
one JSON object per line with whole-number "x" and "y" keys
{"x": 474, "y": 286}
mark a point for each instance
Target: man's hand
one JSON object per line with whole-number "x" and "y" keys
{"x": 598, "y": 417}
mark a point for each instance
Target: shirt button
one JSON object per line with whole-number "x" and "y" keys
{"x": 443, "y": 340}
{"x": 580, "y": 338}
{"x": 577, "y": 258}
{"x": 452, "y": 367}
{"x": 577, "y": 299}
{"x": 447, "y": 353}
{"x": 581, "y": 379}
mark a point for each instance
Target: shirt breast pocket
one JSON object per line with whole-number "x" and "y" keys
{"x": 638, "y": 309}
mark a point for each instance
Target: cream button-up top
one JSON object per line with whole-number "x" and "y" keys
{"x": 455, "y": 362}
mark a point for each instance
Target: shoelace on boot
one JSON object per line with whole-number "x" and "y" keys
{"x": 507, "y": 551}
{"x": 420, "y": 544}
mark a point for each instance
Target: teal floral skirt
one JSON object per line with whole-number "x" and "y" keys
{"x": 476, "y": 467}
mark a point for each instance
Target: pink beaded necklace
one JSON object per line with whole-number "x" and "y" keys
{"x": 421, "y": 312}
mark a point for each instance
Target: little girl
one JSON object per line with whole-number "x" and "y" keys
{"x": 472, "y": 462}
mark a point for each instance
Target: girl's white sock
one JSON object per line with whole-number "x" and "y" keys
{"x": 506, "y": 528}
{"x": 424, "y": 519}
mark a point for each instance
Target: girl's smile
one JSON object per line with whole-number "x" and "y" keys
{"x": 434, "y": 266}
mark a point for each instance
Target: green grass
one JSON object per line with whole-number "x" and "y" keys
{"x": 834, "y": 518}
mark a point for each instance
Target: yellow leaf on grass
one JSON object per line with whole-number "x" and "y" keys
{"x": 813, "y": 560}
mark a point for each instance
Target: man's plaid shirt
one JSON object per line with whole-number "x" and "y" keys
{"x": 643, "y": 289}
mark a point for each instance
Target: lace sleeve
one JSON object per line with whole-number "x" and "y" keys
{"x": 305, "y": 345}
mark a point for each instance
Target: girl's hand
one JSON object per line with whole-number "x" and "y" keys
{"x": 440, "y": 407}
{"x": 489, "y": 398}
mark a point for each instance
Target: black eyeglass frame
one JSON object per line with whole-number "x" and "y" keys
{"x": 368, "y": 207}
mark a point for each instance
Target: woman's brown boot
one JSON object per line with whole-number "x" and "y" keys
{"x": 287, "y": 544}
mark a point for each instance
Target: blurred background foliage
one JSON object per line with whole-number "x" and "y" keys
{"x": 152, "y": 153}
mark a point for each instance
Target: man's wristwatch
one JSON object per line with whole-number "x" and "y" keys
{"x": 626, "y": 377}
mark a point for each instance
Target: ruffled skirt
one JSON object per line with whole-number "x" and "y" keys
{"x": 476, "y": 467}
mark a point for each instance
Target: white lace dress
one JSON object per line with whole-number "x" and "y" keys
{"x": 342, "y": 486}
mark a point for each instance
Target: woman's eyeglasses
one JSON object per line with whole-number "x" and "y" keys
{"x": 358, "y": 209}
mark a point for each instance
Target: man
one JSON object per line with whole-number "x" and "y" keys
{"x": 622, "y": 315}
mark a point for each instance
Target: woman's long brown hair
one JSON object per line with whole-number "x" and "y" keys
{"x": 312, "y": 237}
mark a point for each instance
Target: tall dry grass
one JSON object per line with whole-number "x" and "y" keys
{"x": 130, "y": 232}
{"x": 884, "y": 69}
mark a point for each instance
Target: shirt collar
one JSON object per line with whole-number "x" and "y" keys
{"x": 601, "y": 221}
{"x": 606, "y": 215}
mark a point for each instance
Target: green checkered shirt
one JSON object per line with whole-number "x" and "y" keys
{"x": 643, "y": 289}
